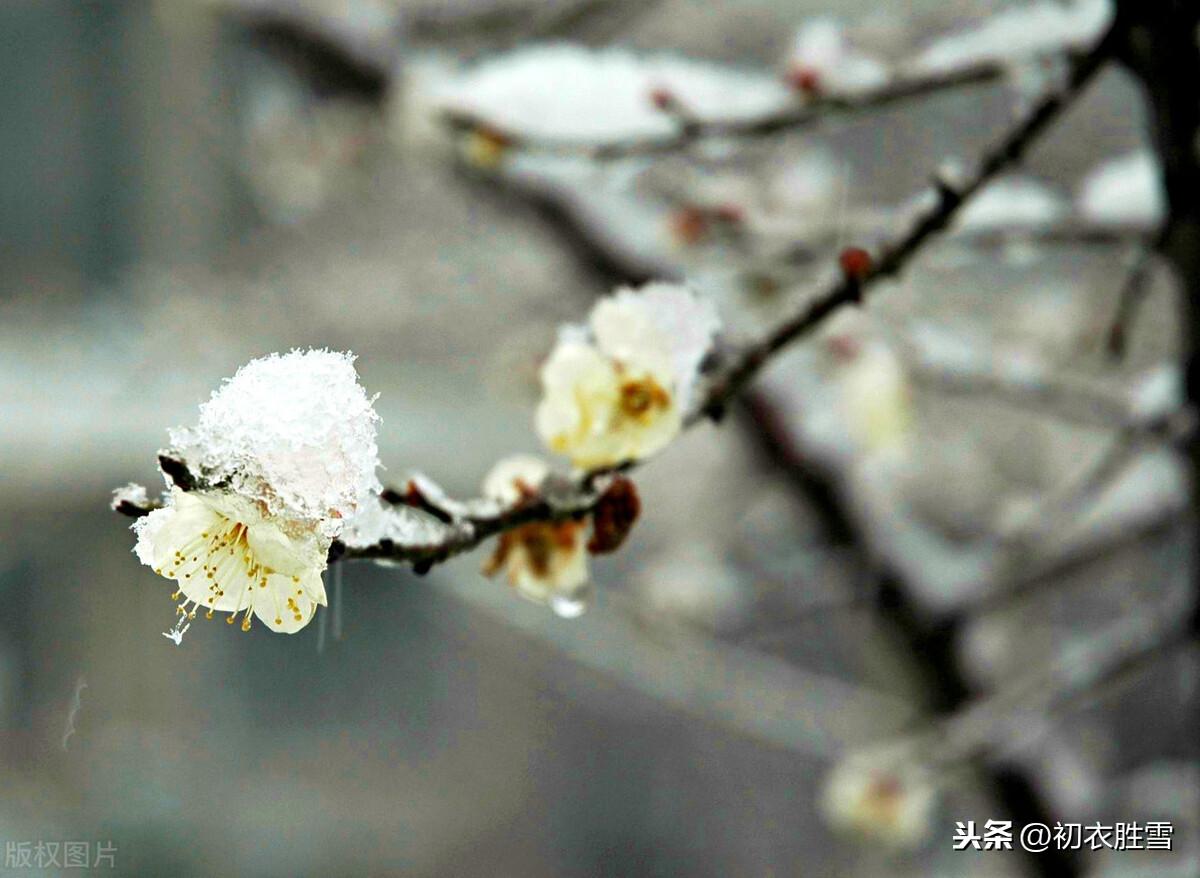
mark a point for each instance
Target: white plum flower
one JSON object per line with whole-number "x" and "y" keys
{"x": 229, "y": 555}
{"x": 545, "y": 561}
{"x": 619, "y": 388}
{"x": 882, "y": 794}
{"x": 283, "y": 456}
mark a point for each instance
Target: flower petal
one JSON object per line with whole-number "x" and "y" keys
{"x": 284, "y": 606}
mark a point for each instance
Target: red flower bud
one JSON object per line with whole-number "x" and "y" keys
{"x": 614, "y": 516}
{"x": 662, "y": 98}
{"x": 855, "y": 263}
{"x": 805, "y": 80}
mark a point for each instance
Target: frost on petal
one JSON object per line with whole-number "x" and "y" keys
{"x": 1018, "y": 32}
{"x": 294, "y": 431}
{"x": 511, "y": 477}
{"x": 575, "y": 94}
{"x": 1124, "y": 191}
{"x": 1012, "y": 203}
{"x": 882, "y": 794}
{"x": 821, "y": 48}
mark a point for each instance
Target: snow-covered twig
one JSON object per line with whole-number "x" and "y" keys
{"x": 949, "y": 197}
{"x": 467, "y": 525}
{"x": 800, "y": 115}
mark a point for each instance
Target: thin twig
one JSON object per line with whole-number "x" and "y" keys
{"x": 1133, "y": 291}
{"x": 803, "y": 114}
{"x": 465, "y": 532}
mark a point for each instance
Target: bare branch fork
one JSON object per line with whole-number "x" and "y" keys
{"x": 466, "y": 529}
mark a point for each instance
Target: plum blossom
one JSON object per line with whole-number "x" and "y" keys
{"x": 883, "y": 794}
{"x": 618, "y": 389}
{"x": 283, "y": 455}
{"x": 228, "y": 555}
{"x": 546, "y": 562}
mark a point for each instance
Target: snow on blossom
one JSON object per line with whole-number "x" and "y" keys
{"x": 229, "y": 555}
{"x": 545, "y": 561}
{"x": 1012, "y": 203}
{"x": 573, "y": 94}
{"x": 283, "y": 453}
{"x": 295, "y": 432}
{"x": 883, "y": 794}
{"x": 823, "y": 61}
{"x": 1017, "y": 33}
{"x": 618, "y": 389}
{"x": 1124, "y": 191}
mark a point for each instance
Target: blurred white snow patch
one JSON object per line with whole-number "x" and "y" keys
{"x": 1124, "y": 191}
{"x": 809, "y": 182}
{"x": 1012, "y": 203}
{"x": 295, "y": 431}
{"x": 576, "y": 95}
{"x": 1016, "y": 33}
{"x": 821, "y": 48}
{"x": 692, "y": 585}
{"x": 377, "y": 521}
{"x": 132, "y": 493}
{"x": 1157, "y": 393}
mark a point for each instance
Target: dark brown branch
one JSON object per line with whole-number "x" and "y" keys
{"x": 893, "y": 257}
{"x": 581, "y": 497}
{"x": 1133, "y": 291}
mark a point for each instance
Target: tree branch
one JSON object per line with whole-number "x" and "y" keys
{"x": 580, "y": 497}
{"x": 812, "y": 110}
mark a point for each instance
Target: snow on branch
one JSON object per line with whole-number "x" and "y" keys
{"x": 279, "y": 477}
{"x": 611, "y": 103}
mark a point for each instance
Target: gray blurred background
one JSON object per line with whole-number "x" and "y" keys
{"x": 156, "y": 233}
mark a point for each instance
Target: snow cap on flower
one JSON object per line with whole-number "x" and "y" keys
{"x": 882, "y": 794}
{"x": 294, "y": 431}
{"x": 618, "y": 389}
{"x": 228, "y": 555}
{"x": 546, "y": 562}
